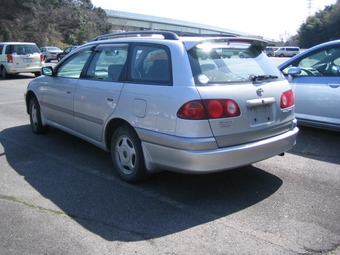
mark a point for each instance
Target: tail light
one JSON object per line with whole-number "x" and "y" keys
{"x": 209, "y": 109}
{"x": 287, "y": 99}
{"x": 42, "y": 57}
{"x": 9, "y": 58}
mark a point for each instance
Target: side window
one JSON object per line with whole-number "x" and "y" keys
{"x": 323, "y": 63}
{"x": 108, "y": 63}
{"x": 74, "y": 65}
{"x": 9, "y": 49}
{"x": 1, "y": 48}
{"x": 150, "y": 64}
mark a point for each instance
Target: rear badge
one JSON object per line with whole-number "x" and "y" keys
{"x": 225, "y": 123}
{"x": 259, "y": 92}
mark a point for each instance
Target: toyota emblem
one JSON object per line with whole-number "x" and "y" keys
{"x": 259, "y": 92}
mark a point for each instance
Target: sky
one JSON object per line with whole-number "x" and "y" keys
{"x": 271, "y": 19}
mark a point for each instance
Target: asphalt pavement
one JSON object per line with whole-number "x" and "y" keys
{"x": 60, "y": 195}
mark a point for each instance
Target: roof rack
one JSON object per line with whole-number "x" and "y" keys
{"x": 166, "y": 34}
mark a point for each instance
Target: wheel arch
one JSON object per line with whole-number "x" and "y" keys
{"x": 3, "y": 67}
{"x": 28, "y": 96}
{"x": 111, "y": 126}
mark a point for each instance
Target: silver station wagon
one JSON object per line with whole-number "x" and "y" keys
{"x": 159, "y": 101}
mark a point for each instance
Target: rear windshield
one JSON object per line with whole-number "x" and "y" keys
{"x": 22, "y": 49}
{"x": 220, "y": 63}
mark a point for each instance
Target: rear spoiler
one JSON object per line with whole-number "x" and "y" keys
{"x": 253, "y": 43}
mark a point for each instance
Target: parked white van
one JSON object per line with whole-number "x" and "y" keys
{"x": 286, "y": 51}
{"x": 20, "y": 57}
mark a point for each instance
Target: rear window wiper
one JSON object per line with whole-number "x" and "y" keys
{"x": 260, "y": 77}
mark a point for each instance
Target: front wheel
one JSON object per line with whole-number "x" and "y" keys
{"x": 127, "y": 155}
{"x": 35, "y": 117}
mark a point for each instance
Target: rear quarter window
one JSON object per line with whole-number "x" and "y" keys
{"x": 150, "y": 64}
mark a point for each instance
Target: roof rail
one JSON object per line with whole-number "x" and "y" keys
{"x": 166, "y": 34}
{"x": 207, "y": 35}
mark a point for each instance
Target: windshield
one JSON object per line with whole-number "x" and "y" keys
{"x": 220, "y": 63}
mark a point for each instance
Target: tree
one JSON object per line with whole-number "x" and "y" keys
{"x": 321, "y": 27}
{"x": 51, "y": 22}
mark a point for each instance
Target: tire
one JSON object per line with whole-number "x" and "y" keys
{"x": 4, "y": 73}
{"x": 37, "y": 74}
{"x": 127, "y": 155}
{"x": 35, "y": 117}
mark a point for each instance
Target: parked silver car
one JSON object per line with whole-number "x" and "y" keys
{"x": 270, "y": 51}
{"x": 315, "y": 78}
{"x": 50, "y": 52}
{"x": 287, "y": 51}
{"x": 159, "y": 101}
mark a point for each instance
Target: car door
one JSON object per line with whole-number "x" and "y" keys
{"x": 57, "y": 91}
{"x": 317, "y": 87}
{"x": 97, "y": 93}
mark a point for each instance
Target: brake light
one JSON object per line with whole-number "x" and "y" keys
{"x": 42, "y": 57}
{"x": 209, "y": 109}
{"x": 193, "y": 110}
{"x": 287, "y": 99}
{"x": 9, "y": 58}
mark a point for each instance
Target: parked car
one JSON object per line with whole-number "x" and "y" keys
{"x": 315, "y": 78}
{"x": 50, "y": 52}
{"x": 164, "y": 107}
{"x": 225, "y": 53}
{"x": 287, "y": 51}
{"x": 270, "y": 51}
{"x": 20, "y": 57}
{"x": 243, "y": 54}
{"x": 65, "y": 52}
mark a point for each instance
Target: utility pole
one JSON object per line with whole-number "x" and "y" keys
{"x": 309, "y": 7}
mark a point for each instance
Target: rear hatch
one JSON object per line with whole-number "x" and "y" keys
{"x": 245, "y": 96}
{"x": 25, "y": 56}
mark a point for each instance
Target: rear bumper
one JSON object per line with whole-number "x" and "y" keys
{"x": 159, "y": 157}
{"x": 12, "y": 70}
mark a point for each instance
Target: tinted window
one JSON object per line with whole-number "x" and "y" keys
{"x": 22, "y": 49}
{"x": 150, "y": 64}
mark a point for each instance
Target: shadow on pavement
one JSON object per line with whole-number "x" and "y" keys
{"x": 318, "y": 144}
{"x": 78, "y": 178}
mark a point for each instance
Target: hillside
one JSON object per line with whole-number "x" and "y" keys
{"x": 51, "y": 22}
